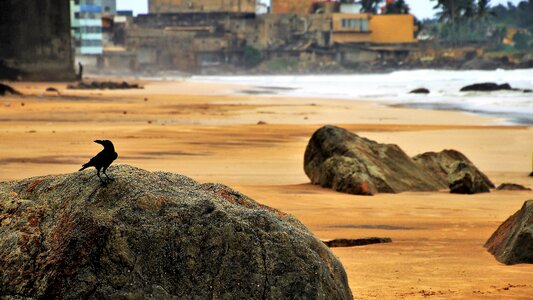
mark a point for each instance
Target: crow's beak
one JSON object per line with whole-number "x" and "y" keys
{"x": 99, "y": 142}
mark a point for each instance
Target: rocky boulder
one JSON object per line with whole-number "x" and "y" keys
{"x": 420, "y": 91}
{"x": 342, "y": 160}
{"x": 506, "y": 186}
{"x": 339, "y": 159}
{"x": 102, "y": 85}
{"x": 155, "y": 235}
{"x": 457, "y": 170}
{"x": 6, "y": 89}
{"x": 512, "y": 242}
{"x": 486, "y": 87}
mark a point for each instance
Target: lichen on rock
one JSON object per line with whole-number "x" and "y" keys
{"x": 155, "y": 235}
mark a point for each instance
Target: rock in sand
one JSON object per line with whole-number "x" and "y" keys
{"x": 339, "y": 159}
{"x": 512, "y": 242}
{"x": 155, "y": 235}
{"x": 512, "y": 187}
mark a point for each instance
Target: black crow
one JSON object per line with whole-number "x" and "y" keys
{"x": 103, "y": 159}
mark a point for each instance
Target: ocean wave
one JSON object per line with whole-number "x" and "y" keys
{"x": 515, "y": 106}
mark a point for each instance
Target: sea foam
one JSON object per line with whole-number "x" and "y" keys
{"x": 393, "y": 88}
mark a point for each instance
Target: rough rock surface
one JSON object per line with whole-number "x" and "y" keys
{"x": 155, "y": 235}
{"x": 453, "y": 167}
{"x": 512, "y": 187}
{"x": 344, "y": 161}
{"x": 512, "y": 242}
{"x": 341, "y": 160}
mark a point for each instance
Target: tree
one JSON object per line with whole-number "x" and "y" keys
{"x": 396, "y": 7}
{"x": 521, "y": 41}
{"x": 370, "y": 6}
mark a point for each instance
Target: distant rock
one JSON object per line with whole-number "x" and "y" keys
{"x": 102, "y": 85}
{"x": 512, "y": 242}
{"x": 356, "y": 242}
{"x": 457, "y": 170}
{"x": 52, "y": 90}
{"x": 512, "y": 187}
{"x": 486, "y": 87}
{"x": 262, "y": 123}
{"x": 481, "y": 64}
{"x": 6, "y": 89}
{"x": 338, "y": 159}
{"x": 155, "y": 235}
{"x": 420, "y": 91}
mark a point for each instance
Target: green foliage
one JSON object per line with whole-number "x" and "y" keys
{"x": 370, "y": 6}
{"x": 397, "y": 7}
{"x": 522, "y": 41}
{"x": 252, "y": 56}
{"x": 281, "y": 64}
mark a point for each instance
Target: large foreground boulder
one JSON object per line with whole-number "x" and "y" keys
{"x": 155, "y": 236}
{"x": 342, "y": 160}
{"x": 512, "y": 242}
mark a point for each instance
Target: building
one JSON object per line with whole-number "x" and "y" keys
{"x": 87, "y": 27}
{"x": 183, "y": 6}
{"x": 300, "y": 7}
{"x": 109, "y": 7}
{"x": 35, "y": 40}
{"x": 373, "y": 29}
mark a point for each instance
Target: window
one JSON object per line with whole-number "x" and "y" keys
{"x": 355, "y": 24}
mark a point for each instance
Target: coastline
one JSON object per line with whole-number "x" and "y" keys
{"x": 207, "y": 132}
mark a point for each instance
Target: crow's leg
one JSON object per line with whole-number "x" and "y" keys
{"x": 109, "y": 178}
{"x": 101, "y": 180}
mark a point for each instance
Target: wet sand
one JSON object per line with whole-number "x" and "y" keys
{"x": 208, "y": 133}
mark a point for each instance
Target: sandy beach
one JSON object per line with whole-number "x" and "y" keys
{"x": 211, "y": 134}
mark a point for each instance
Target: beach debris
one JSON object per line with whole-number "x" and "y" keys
{"x": 52, "y": 90}
{"x": 420, "y": 91}
{"x": 512, "y": 242}
{"x": 512, "y": 187}
{"x": 6, "y": 90}
{"x": 102, "y": 85}
{"x": 167, "y": 226}
{"x": 357, "y": 242}
{"x": 486, "y": 87}
{"x": 336, "y": 158}
{"x": 453, "y": 167}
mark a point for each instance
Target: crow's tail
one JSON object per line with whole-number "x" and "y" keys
{"x": 83, "y": 167}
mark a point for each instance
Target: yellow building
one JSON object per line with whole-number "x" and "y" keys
{"x": 181, "y": 6}
{"x": 368, "y": 28}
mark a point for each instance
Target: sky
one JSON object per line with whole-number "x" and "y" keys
{"x": 422, "y": 9}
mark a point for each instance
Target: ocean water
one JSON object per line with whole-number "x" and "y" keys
{"x": 512, "y": 107}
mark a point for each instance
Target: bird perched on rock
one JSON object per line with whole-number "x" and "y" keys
{"x": 102, "y": 160}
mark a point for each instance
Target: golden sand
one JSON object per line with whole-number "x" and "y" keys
{"x": 208, "y": 133}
